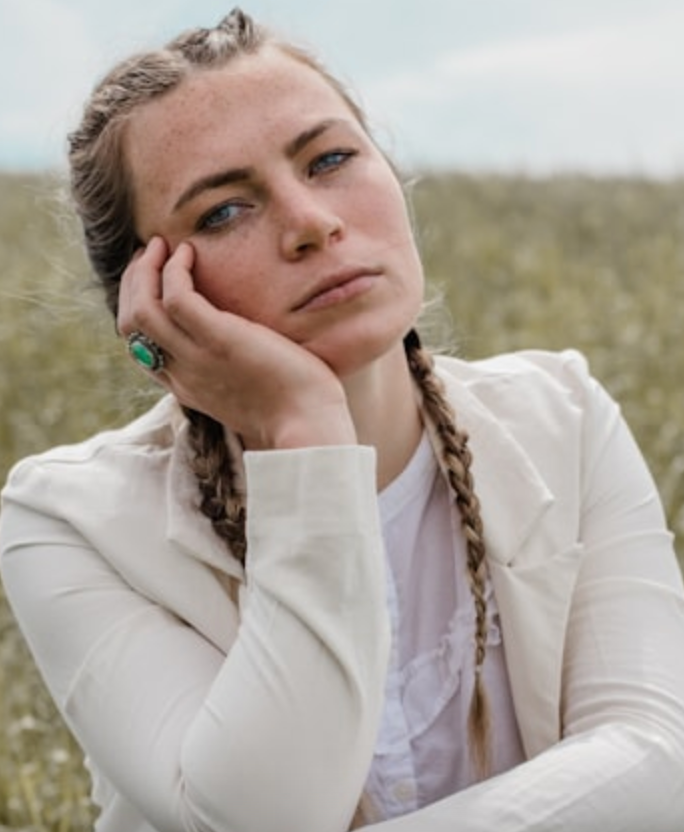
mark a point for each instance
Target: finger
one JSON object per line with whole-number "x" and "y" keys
{"x": 177, "y": 272}
{"x": 185, "y": 306}
{"x": 156, "y": 251}
{"x": 143, "y": 274}
{"x": 141, "y": 284}
{"x": 177, "y": 277}
{"x": 142, "y": 309}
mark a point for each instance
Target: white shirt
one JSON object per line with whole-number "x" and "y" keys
{"x": 422, "y": 753}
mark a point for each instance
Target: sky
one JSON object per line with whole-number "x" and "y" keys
{"x": 525, "y": 86}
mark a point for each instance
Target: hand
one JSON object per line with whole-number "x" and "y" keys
{"x": 261, "y": 385}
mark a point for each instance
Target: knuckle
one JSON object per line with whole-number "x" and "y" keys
{"x": 142, "y": 319}
{"x": 173, "y": 304}
{"x": 124, "y": 326}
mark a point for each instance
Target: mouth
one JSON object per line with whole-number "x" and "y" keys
{"x": 337, "y": 288}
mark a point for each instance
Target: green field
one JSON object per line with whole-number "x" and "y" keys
{"x": 562, "y": 262}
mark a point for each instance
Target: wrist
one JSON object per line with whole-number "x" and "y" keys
{"x": 316, "y": 428}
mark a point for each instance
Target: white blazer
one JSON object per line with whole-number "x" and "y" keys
{"x": 195, "y": 716}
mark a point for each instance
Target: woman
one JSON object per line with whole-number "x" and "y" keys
{"x": 275, "y": 602}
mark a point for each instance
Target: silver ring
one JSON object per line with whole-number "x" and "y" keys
{"x": 145, "y": 352}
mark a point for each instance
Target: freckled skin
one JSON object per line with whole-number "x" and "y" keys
{"x": 295, "y": 225}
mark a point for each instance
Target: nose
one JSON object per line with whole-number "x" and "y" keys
{"x": 308, "y": 222}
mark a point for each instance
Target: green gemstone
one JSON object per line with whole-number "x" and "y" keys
{"x": 143, "y": 355}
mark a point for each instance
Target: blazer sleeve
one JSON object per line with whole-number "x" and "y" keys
{"x": 194, "y": 739}
{"x": 619, "y": 766}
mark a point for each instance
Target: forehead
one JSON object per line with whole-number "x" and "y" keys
{"x": 246, "y": 84}
{"x": 226, "y": 115}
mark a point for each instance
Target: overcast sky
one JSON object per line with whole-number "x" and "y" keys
{"x": 523, "y": 85}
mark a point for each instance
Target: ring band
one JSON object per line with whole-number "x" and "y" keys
{"x": 145, "y": 352}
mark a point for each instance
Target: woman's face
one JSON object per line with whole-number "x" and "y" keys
{"x": 297, "y": 220}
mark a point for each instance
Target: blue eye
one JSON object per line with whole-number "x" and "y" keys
{"x": 330, "y": 161}
{"x": 220, "y": 216}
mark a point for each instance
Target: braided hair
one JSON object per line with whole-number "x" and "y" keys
{"x": 457, "y": 461}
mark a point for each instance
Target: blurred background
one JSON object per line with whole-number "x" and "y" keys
{"x": 545, "y": 143}
{"x": 515, "y": 84}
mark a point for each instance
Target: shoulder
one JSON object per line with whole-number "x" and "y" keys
{"x": 533, "y": 383}
{"x": 566, "y": 369}
{"x": 102, "y": 460}
{"x": 547, "y": 402}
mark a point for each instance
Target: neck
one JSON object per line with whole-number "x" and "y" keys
{"x": 383, "y": 406}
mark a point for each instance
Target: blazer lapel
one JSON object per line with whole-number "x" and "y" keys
{"x": 533, "y": 580}
{"x": 534, "y": 605}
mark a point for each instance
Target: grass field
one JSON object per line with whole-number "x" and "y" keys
{"x": 562, "y": 262}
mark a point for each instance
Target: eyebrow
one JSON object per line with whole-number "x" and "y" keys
{"x": 232, "y": 175}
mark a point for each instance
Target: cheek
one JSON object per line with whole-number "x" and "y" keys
{"x": 385, "y": 211}
{"x": 223, "y": 281}
{"x": 234, "y": 283}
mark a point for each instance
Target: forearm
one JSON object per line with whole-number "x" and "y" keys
{"x": 276, "y": 734}
{"x": 618, "y": 778}
{"x": 301, "y": 692}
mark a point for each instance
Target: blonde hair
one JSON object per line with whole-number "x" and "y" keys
{"x": 101, "y": 189}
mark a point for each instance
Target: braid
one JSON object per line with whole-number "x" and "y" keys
{"x": 236, "y": 34}
{"x": 457, "y": 460}
{"x": 215, "y": 473}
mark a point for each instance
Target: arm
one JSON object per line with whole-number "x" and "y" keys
{"x": 620, "y": 764}
{"x": 193, "y": 739}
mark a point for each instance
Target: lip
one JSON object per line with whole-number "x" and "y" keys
{"x": 338, "y": 287}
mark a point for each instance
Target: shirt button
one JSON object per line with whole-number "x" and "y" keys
{"x": 404, "y": 791}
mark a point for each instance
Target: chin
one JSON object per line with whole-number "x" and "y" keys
{"x": 349, "y": 353}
